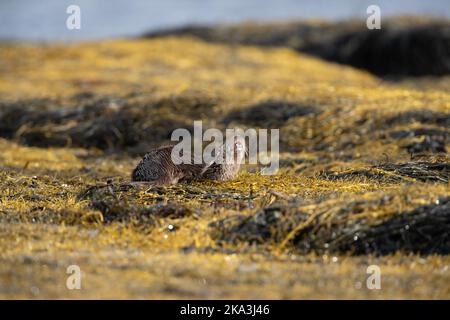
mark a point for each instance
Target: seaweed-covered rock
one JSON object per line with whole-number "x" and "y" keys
{"x": 404, "y": 46}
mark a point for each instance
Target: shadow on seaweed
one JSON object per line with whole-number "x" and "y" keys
{"x": 105, "y": 123}
{"x": 404, "y": 46}
{"x": 272, "y": 113}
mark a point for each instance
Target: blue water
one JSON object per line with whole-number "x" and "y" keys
{"x": 45, "y": 20}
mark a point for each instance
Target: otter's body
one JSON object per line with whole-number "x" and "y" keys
{"x": 157, "y": 167}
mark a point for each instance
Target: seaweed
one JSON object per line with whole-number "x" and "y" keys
{"x": 420, "y": 170}
{"x": 105, "y": 123}
{"x": 115, "y": 205}
{"x": 404, "y": 46}
{"x": 347, "y": 228}
{"x": 396, "y": 172}
{"x": 345, "y": 172}
{"x": 269, "y": 113}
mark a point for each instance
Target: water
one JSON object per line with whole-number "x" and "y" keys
{"x": 45, "y": 20}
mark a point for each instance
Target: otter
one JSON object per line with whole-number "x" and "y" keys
{"x": 158, "y": 169}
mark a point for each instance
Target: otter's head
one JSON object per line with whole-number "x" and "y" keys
{"x": 237, "y": 149}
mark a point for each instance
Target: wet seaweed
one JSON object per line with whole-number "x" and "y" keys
{"x": 349, "y": 228}
{"x": 116, "y": 202}
{"x": 396, "y": 172}
{"x": 421, "y": 170}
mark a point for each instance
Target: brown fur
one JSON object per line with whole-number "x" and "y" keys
{"x": 157, "y": 168}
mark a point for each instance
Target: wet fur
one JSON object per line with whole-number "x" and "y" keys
{"x": 157, "y": 168}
